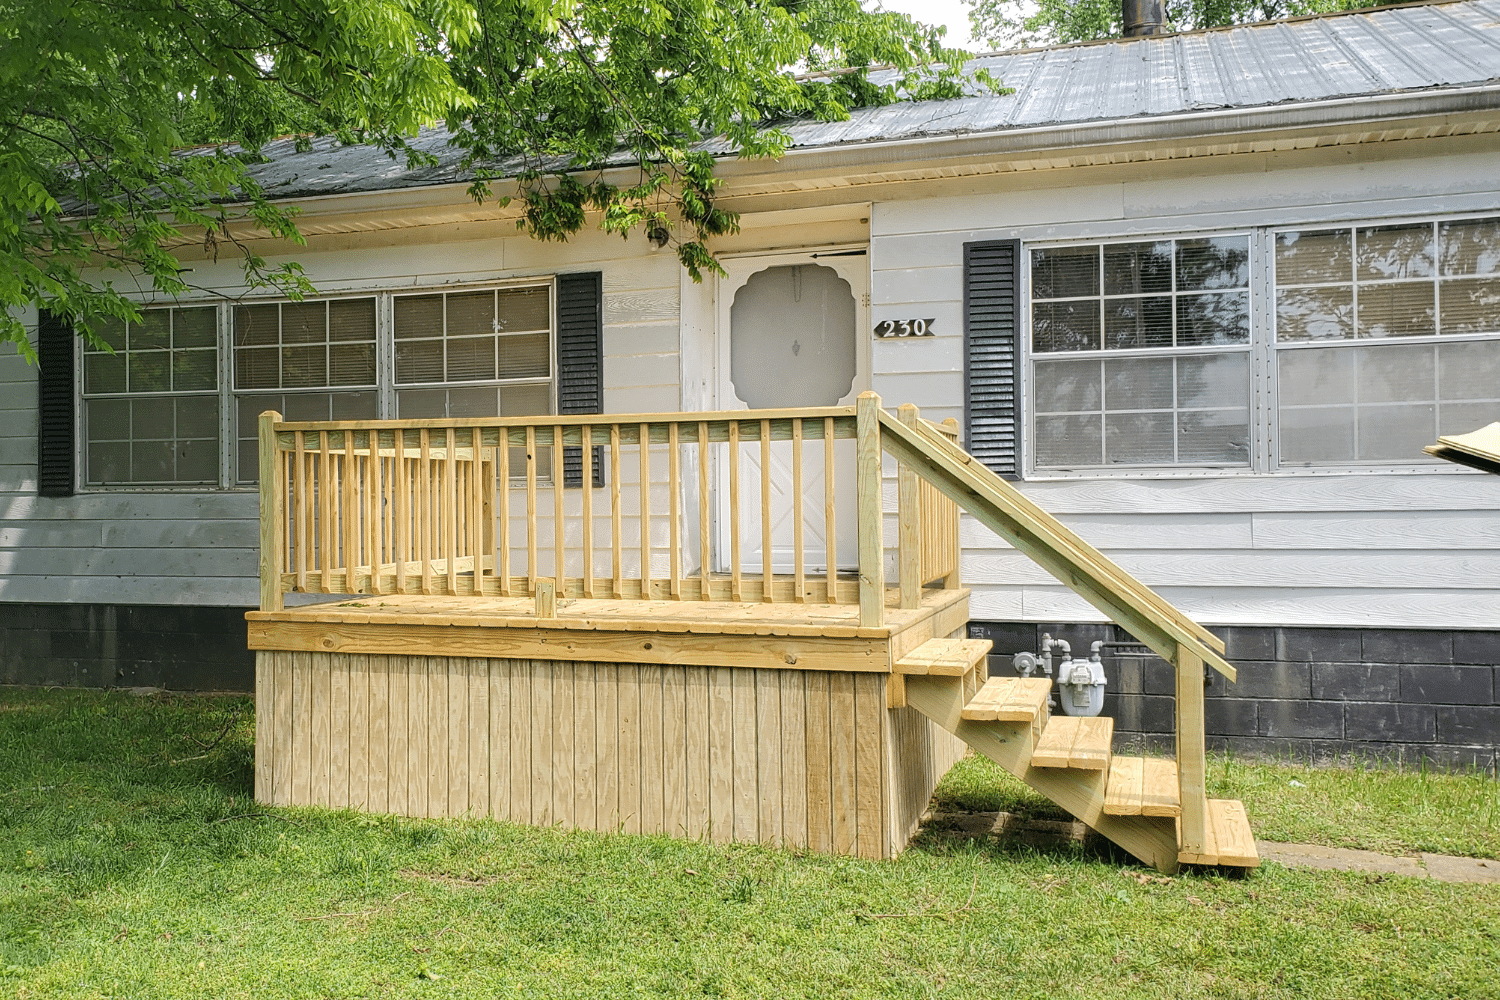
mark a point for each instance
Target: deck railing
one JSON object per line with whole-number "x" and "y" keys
{"x": 498, "y": 507}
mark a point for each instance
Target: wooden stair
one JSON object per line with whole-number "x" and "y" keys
{"x": 945, "y": 657}
{"x": 1133, "y": 801}
{"x": 1075, "y": 741}
{"x": 1142, "y": 786}
{"x": 1230, "y": 841}
{"x": 1068, "y": 760}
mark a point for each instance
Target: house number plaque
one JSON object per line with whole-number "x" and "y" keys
{"x": 904, "y": 328}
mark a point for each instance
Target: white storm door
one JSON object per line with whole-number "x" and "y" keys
{"x": 792, "y": 331}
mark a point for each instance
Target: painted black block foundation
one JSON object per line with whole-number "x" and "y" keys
{"x": 1320, "y": 693}
{"x": 119, "y": 645}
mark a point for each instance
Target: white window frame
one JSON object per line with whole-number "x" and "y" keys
{"x": 385, "y": 387}
{"x": 1275, "y": 347}
{"x": 1029, "y": 357}
{"x": 1263, "y": 348}
{"x": 80, "y": 418}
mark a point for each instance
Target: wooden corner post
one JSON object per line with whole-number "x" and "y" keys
{"x": 1191, "y": 765}
{"x": 909, "y": 533}
{"x": 272, "y": 514}
{"x": 871, "y": 549}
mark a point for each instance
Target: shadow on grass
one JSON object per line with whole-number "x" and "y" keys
{"x": 101, "y": 788}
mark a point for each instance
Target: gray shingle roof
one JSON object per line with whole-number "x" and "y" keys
{"x": 1439, "y": 46}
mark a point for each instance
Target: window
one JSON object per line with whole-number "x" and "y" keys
{"x": 1140, "y": 354}
{"x": 1317, "y": 347}
{"x": 305, "y": 360}
{"x": 474, "y": 354}
{"x": 151, "y": 409}
{"x": 1385, "y": 338}
{"x": 176, "y": 402}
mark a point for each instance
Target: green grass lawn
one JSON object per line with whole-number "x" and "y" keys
{"x": 128, "y": 868}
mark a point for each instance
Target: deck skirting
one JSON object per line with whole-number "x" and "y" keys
{"x": 793, "y": 757}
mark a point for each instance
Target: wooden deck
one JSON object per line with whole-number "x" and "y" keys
{"x": 826, "y": 637}
{"x": 567, "y": 649}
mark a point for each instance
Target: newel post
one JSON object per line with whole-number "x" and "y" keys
{"x": 272, "y": 514}
{"x": 1191, "y": 764}
{"x": 871, "y": 548}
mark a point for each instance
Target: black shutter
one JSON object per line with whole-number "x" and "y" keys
{"x": 992, "y": 401}
{"x": 54, "y": 403}
{"x": 580, "y": 361}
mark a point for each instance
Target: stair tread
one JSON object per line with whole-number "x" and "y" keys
{"x": 944, "y": 657}
{"x": 1075, "y": 741}
{"x": 1009, "y": 699}
{"x": 1230, "y": 840}
{"x": 1142, "y": 786}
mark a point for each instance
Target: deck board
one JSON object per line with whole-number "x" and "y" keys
{"x": 582, "y": 614}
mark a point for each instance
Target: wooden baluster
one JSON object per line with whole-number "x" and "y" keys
{"x": 830, "y": 528}
{"x": 704, "y": 542}
{"x": 424, "y": 509}
{"x": 674, "y": 489}
{"x": 403, "y": 508}
{"x": 645, "y": 431}
{"x": 460, "y": 510}
{"x": 951, "y": 547}
{"x": 531, "y": 508}
{"x": 372, "y": 511}
{"x": 325, "y": 511}
{"x": 559, "y": 540}
{"x": 288, "y": 474}
{"x": 586, "y": 438}
{"x": 617, "y": 570}
{"x": 487, "y": 513}
{"x": 910, "y": 522}
{"x": 349, "y": 513}
{"x": 303, "y": 483}
{"x": 735, "y": 593}
{"x": 272, "y": 513}
{"x": 799, "y": 581}
{"x": 387, "y": 525}
{"x": 478, "y": 510}
{"x": 871, "y": 548}
{"x": 450, "y": 506}
{"x": 502, "y": 550}
{"x": 767, "y": 581}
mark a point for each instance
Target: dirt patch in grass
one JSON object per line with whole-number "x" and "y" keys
{"x": 466, "y": 880}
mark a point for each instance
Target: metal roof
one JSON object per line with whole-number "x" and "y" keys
{"x": 1413, "y": 48}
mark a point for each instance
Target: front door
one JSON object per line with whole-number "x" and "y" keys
{"x": 789, "y": 334}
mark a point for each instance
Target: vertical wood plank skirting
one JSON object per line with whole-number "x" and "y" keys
{"x": 338, "y": 732}
{"x": 265, "y": 707}
{"x": 564, "y": 780}
{"x": 781, "y": 757}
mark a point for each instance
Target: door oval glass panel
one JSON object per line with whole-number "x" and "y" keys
{"x": 791, "y": 337}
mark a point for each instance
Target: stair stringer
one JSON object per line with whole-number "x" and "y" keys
{"x": 1151, "y": 839}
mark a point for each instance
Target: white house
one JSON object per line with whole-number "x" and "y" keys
{"x": 1204, "y": 295}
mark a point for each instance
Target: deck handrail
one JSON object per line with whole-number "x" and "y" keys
{"x": 431, "y": 507}
{"x": 938, "y": 461}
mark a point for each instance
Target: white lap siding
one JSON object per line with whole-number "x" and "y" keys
{"x": 189, "y": 547}
{"x": 1409, "y": 548}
